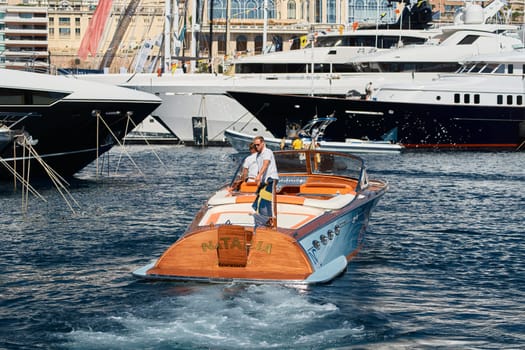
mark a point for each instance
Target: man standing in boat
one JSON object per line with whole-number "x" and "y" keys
{"x": 266, "y": 179}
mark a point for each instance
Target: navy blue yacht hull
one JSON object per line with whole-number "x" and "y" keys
{"x": 65, "y": 134}
{"x": 418, "y": 125}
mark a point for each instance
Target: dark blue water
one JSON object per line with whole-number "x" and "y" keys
{"x": 443, "y": 265}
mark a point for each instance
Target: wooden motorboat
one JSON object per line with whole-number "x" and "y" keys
{"x": 322, "y": 204}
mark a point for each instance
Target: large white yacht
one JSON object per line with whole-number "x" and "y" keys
{"x": 480, "y": 107}
{"x": 68, "y": 123}
{"x": 197, "y": 110}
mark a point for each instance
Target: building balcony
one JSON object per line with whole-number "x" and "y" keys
{"x": 25, "y": 43}
{"x": 23, "y": 32}
{"x": 14, "y": 55}
{"x": 11, "y": 20}
{"x": 26, "y": 9}
{"x": 42, "y": 67}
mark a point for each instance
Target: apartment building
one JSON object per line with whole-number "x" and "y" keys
{"x": 23, "y": 36}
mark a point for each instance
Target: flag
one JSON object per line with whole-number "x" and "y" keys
{"x": 304, "y": 41}
{"x": 95, "y": 29}
{"x": 263, "y": 205}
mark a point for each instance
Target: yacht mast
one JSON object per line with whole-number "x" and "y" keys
{"x": 167, "y": 35}
{"x": 194, "y": 28}
{"x": 265, "y": 26}
{"x": 227, "y": 39}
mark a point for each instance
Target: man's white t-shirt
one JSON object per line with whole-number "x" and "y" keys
{"x": 250, "y": 163}
{"x": 271, "y": 172}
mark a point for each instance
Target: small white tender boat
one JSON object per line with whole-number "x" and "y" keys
{"x": 314, "y": 130}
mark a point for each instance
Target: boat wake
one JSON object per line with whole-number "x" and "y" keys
{"x": 218, "y": 316}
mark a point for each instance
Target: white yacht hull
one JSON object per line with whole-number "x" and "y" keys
{"x": 190, "y": 96}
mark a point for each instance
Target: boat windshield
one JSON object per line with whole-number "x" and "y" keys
{"x": 318, "y": 162}
{"x": 294, "y": 166}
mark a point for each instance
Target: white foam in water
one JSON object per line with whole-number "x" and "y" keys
{"x": 221, "y": 317}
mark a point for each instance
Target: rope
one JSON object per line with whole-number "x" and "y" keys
{"x": 22, "y": 180}
{"x": 144, "y": 138}
{"x": 118, "y": 141}
{"x": 57, "y": 180}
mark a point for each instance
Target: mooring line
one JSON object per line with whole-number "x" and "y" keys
{"x": 23, "y": 181}
{"x": 144, "y": 138}
{"x": 99, "y": 116}
{"x": 59, "y": 182}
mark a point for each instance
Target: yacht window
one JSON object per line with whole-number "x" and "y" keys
{"x": 344, "y": 68}
{"x": 500, "y": 69}
{"x": 494, "y": 67}
{"x": 510, "y": 69}
{"x": 29, "y": 97}
{"x": 388, "y": 42}
{"x": 509, "y": 99}
{"x": 457, "y": 98}
{"x": 447, "y": 67}
{"x": 461, "y": 69}
{"x": 364, "y": 41}
{"x": 330, "y": 41}
{"x": 476, "y": 68}
{"x": 489, "y": 68}
{"x": 476, "y": 99}
{"x": 468, "y": 40}
{"x": 466, "y": 98}
{"x": 500, "y": 99}
{"x": 413, "y": 41}
{"x": 519, "y": 100}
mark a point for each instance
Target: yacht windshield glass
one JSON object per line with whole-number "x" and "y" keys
{"x": 365, "y": 39}
{"x": 29, "y": 97}
{"x": 489, "y": 68}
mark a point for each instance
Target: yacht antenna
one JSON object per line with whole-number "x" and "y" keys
{"x": 265, "y": 25}
{"x": 377, "y": 23}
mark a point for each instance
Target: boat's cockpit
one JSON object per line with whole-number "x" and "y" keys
{"x": 297, "y": 168}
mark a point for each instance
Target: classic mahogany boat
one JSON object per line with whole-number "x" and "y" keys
{"x": 321, "y": 208}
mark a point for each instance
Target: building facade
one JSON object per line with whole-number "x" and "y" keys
{"x": 52, "y": 30}
{"x": 23, "y": 36}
